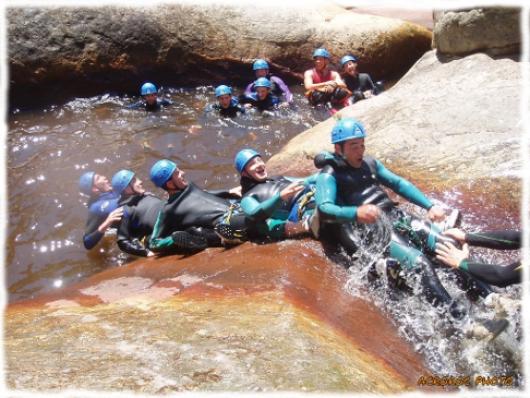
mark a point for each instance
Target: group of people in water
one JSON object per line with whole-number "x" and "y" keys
{"x": 269, "y": 92}
{"x": 328, "y": 205}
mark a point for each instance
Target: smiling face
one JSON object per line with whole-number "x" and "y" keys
{"x": 135, "y": 187}
{"x": 352, "y": 150}
{"x": 178, "y": 180}
{"x": 224, "y": 100}
{"x": 320, "y": 63}
{"x": 101, "y": 184}
{"x": 255, "y": 169}
{"x": 262, "y": 92}
{"x": 350, "y": 68}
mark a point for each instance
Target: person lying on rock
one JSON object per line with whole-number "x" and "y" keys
{"x": 278, "y": 87}
{"x": 495, "y": 274}
{"x": 150, "y": 101}
{"x": 103, "y": 211}
{"x": 193, "y": 219}
{"x": 360, "y": 84}
{"x": 262, "y": 99}
{"x": 348, "y": 191}
{"x": 140, "y": 211}
{"x": 324, "y": 85}
{"x": 280, "y": 207}
{"x": 227, "y": 105}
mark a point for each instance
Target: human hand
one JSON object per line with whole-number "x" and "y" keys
{"x": 367, "y": 93}
{"x": 436, "y": 214}
{"x": 450, "y": 255}
{"x": 114, "y": 216}
{"x": 290, "y": 190}
{"x": 235, "y": 191}
{"x": 368, "y": 214}
{"x": 284, "y": 105}
{"x": 456, "y": 234}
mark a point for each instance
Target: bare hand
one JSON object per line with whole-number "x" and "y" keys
{"x": 235, "y": 191}
{"x": 368, "y": 214}
{"x": 436, "y": 214}
{"x": 450, "y": 255}
{"x": 150, "y": 253}
{"x": 114, "y": 216}
{"x": 290, "y": 190}
{"x": 456, "y": 234}
{"x": 367, "y": 93}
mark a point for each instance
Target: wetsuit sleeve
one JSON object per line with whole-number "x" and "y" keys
{"x": 367, "y": 83}
{"x": 311, "y": 180}
{"x": 222, "y": 193}
{"x": 92, "y": 236}
{"x": 178, "y": 240}
{"x": 248, "y": 90}
{"x": 257, "y": 211}
{"x": 401, "y": 186}
{"x": 500, "y": 240}
{"x": 125, "y": 242}
{"x": 165, "y": 102}
{"x": 494, "y": 274}
{"x": 326, "y": 196}
{"x": 136, "y": 105}
{"x": 284, "y": 88}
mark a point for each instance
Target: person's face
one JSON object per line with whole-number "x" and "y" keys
{"x": 350, "y": 68}
{"x": 320, "y": 63}
{"x": 177, "y": 181}
{"x": 135, "y": 187}
{"x": 352, "y": 150}
{"x": 224, "y": 100}
{"x": 150, "y": 99}
{"x": 256, "y": 170}
{"x": 262, "y": 92}
{"x": 261, "y": 73}
{"x": 101, "y": 184}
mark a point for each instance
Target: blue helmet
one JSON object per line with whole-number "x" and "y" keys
{"x": 148, "y": 88}
{"x": 262, "y": 82}
{"x": 243, "y": 157}
{"x": 321, "y": 52}
{"x": 222, "y": 90}
{"x": 348, "y": 58}
{"x": 86, "y": 181}
{"x": 260, "y": 64}
{"x": 162, "y": 171}
{"x": 347, "y": 129}
{"x": 121, "y": 180}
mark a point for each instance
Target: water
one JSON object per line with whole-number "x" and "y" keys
{"x": 49, "y": 149}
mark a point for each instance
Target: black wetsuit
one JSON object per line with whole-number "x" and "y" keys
{"x": 139, "y": 217}
{"x": 359, "y": 84}
{"x": 186, "y": 221}
{"x": 270, "y": 103}
{"x": 142, "y": 104}
{"x": 495, "y": 274}
{"x": 231, "y": 111}
{"x": 99, "y": 208}
{"x": 352, "y": 187}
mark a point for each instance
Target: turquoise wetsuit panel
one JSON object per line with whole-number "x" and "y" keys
{"x": 326, "y": 198}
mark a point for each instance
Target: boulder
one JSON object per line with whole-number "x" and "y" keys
{"x": 253, "y": 318}
{"x": 495, "y": 30}
{"x": 445, "y": 122}
{"x": 60, "y": 51}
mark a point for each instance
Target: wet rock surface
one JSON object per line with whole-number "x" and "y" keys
{"x": 256, "y": 317}
{"x": 447, "y": 121}
{"x": 61, "y": 51}
{"x": 495, "y": 30}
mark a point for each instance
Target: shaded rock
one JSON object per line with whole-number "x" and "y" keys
{"x": 256, "y": 317}
{"x": 495, "y": 30}
{"x": 444, "y": 122}
{"x": 60, "y": 51}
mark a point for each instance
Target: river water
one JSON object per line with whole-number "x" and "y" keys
{"x": 48, "y": 149}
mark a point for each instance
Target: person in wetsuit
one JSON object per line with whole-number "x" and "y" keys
{"x": 279, "y": 206}
{"x": 495, "y": 274}
{"x": 348, "y": 191}
{"x": 150, "y": 101}
{"x": 360, "y": 84}
{"x": 278, "y": 87}
{"x": 324, "y": 85}
{"x": 103, "y": 210}
{"x": 227, "y": 105}
{"x": 192, "y": 219}
{"x": 262, "y": 99}
{"x": 140, "y": 211}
